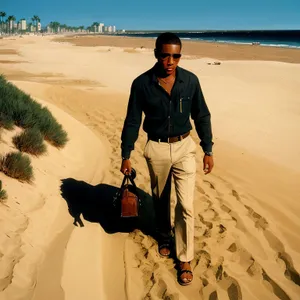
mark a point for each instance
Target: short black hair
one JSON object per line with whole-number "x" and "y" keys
{"x": 167, "y": 38}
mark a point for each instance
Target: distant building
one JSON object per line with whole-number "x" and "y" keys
{"x": 39, "y": 26}
{"x": 114, "y": 29}
{"x": 101, "y": 27}
{"x": 22, "y": 24}
{"x": 105, "y": 28}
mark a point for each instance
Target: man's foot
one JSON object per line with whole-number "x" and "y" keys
{"x": 185, "y": 274}
{"x": 164, "y": 249}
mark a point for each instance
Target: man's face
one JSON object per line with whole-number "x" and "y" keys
{"x": 168, "y": 57}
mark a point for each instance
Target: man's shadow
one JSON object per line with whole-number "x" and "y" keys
{"x": 96, "y": 204}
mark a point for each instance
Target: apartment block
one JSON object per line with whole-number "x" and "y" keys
{"x": 101, "y": 27}
{"x": 22, "y": 24}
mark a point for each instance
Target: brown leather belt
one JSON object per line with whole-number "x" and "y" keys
{"x": 170, "y": 139}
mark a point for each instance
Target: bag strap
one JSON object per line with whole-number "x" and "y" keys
{"x": 126, "y": 179}
{"x": 132, "y": 181}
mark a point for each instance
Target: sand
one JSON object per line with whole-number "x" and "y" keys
{"x": 247, "y": 243}
{"x": 192, "y": 49}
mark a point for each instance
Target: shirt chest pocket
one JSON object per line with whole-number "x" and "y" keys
{"x": 184, "y": 104}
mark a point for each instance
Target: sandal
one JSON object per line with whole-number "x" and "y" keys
{"x": 164, "y": 246}
{"x": 188, "y": 278}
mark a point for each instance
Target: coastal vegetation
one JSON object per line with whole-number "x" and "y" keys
{"x": 31, "y": 141}
{"x": 20, "y": 109}
{"x": 6, "y": 122}
{"x": 37, "y": 124}
{"x": 3, "y": 194}
{"x": 17, "y": 165}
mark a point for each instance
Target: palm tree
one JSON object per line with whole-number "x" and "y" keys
{"x": 11, "y": 20}
{"x": 55, "y": 26}
{"x": 36, "y": 19}
{"x": 2, "y": 15}
{"x": 63, "y": 27}
{"x": 95, "y": 25}
{"x": 29, "y": 27}
{"x": 33, "y": 22}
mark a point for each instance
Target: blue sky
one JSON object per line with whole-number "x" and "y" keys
{"x": 162, "y": 15}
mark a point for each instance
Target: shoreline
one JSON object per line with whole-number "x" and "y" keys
{"x": 216, "y": 41}
{"x": 195, "y": 49}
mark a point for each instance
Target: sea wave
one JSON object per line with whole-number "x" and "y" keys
{"x": 231, "y": 42}
{"x": 266, "y": 44}
{"x": 272, "y": 38}
{"x": 280, "y": 45}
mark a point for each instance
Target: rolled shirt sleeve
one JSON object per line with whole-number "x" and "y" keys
{"x": 202, "y": 118}
{"x": 132, "y": 121}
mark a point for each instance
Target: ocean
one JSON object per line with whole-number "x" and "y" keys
{"x": 271, "y": 38}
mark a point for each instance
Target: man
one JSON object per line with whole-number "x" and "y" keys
{"x": 168, "y": 95}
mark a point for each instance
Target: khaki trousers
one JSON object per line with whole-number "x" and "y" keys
{"x": 175, "y": 160}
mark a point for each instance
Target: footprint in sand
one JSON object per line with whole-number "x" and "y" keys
{"x": 221, "y": 216}
{"x": 227, "y": 204}
{"x": 277, "y": 290}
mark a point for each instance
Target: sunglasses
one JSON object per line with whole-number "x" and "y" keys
{"x": 166, "y": 55}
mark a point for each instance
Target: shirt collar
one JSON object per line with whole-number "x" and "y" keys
{"x": 179, "y": 74}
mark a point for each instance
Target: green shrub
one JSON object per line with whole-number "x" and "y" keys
{"x": 17, "y": 165}
{"x": 53, "y": 132}
{"x": 3, "y": 194}
{"x": 6, "y": 121}
{"x": 31, "y": 141}
{"x": 20, "y": 108}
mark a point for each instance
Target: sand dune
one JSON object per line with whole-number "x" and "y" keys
{"x": 246, "y": 211}
{"x": 34, "y": 215}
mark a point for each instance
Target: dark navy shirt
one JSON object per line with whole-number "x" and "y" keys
{"x": 166, "y": 115}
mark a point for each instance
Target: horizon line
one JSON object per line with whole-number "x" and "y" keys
{"x": 213, "y": 30}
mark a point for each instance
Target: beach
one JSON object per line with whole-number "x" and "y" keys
{"x": 246, "y": 211}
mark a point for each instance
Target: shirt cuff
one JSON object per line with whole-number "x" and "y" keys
{"x": 207, "y": 147}
{"x": 125, "y": 154}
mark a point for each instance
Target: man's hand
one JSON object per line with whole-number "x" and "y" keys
{"x": 126, "y": 167}
{"x": 208, "y": 164}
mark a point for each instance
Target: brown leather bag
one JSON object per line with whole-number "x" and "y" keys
{"x": 129, "y": 204}
{"x": 129, "y": 199}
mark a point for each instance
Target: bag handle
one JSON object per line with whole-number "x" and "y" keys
{"x": 126, "y": 179}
